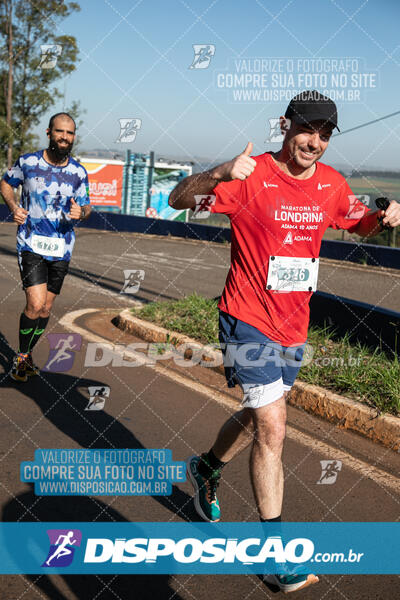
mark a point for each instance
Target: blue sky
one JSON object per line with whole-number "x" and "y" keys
{"x": 135, "y": 59}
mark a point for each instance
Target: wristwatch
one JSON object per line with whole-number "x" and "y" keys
{"x": 83, "y": 213}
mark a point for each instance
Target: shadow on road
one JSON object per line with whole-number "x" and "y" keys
{"x": 26, "y": 507}
{"x": 62, "y": 404}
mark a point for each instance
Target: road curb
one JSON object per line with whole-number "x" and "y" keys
{"x": 346, "y": 413}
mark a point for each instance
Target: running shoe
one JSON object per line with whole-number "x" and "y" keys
{"x": 291, "y": 583}
{"x": 205, "y": 499}
{"x": 31, "y": 368}
{"x": 19, "y": 368}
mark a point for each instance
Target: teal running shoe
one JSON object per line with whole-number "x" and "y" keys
{"x": 205, "y": 499}
{"x": 291, "y": 583}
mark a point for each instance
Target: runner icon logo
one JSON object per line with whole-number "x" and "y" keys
{"x": 133, "y": 279}
{"x": 203, "y": 206}
{"x": 98, "y": 395}
{"x": 357, "y": 206}
{"x": 128, "y": 130}
{"x": 62, "y": 351}
{"x": 62, "y": 547}
{"x": 203, "y": 54}
{"x": 275, "y": 131}
{"x": 50, "y": 53}
{"x": 330, "y": 470}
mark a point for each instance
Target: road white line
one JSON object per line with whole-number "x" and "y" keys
{"x": 97, "y": 289}
{"x": 381, "y": 478}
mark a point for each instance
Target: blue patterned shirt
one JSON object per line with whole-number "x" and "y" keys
{"x": 46, "y": 195}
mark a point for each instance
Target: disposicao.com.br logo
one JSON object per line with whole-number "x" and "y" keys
{"x": 193, "y": 550}
{"x": 200, "y": 548}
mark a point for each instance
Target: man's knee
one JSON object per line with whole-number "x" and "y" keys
{"x": 48, "y": 305}
{"x": 45, "y": 311}
{"x": 34, "y": 307}
{"x": 272, "y": 437}
{"x": 270, "y": 424}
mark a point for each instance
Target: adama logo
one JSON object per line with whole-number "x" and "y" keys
{"x": 288, "y": 239}
{"x": 267, "y": 185}
{"x": 303, "y": 238}
{"x": 323, "y": 185}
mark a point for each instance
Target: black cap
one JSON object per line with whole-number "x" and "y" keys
{"x": 311, "y": 106}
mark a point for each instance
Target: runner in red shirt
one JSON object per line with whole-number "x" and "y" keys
{"x": 279, "y": 205}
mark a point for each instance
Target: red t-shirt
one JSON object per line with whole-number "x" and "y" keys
{"x": 273, "y": 214}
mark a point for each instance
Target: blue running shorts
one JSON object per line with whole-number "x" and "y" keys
{"x": 263, "y": 368}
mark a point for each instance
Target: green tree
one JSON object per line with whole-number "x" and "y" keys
{"x": 27, "y": 76}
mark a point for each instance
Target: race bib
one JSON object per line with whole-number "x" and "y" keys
{"x": 48, "y": 246}
{"x": 292, "y": 274}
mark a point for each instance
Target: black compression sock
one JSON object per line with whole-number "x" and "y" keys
{"x": 40, "y": 327}
{"x": 272, "y": 527}
{"x": 27, "y": 328}
{"x": 209, "y": 465}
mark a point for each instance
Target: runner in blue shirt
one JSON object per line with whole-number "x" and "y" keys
{"x": 54, "y": 197}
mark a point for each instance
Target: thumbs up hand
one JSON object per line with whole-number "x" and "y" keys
{"x": 239, "y": 167}
{"x": 249, "y": 149}
{"x": 19, "y": 215}
{"x": 75, "y": 211}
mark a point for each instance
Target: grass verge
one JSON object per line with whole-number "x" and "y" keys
{"x": 337, "y": 364}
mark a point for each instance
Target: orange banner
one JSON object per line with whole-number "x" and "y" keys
{"x": 105, "y": 183}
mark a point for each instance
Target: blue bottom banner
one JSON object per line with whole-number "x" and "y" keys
{"x": 200, "y": 548}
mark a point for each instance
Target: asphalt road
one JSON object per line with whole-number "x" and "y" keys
{"x": 176, "y": 408}
{"x": 175, "y": 267}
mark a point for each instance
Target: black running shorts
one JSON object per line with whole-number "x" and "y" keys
{"x": 35, "y": 269}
